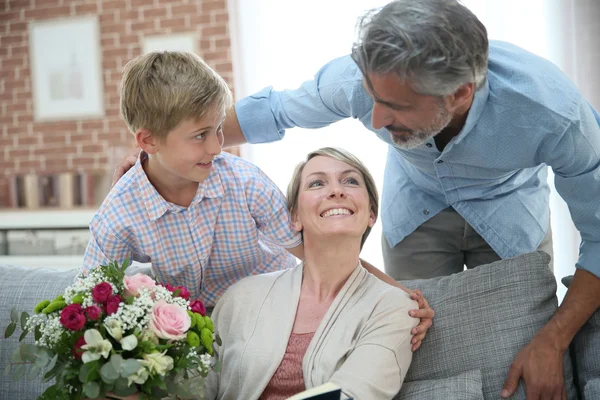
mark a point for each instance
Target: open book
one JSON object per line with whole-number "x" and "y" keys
{"x": 326, "y": 391}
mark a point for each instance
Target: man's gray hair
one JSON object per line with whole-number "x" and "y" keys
{"x": 436, "y": 46}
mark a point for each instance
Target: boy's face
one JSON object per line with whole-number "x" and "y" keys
{"x": 188, "y": 150}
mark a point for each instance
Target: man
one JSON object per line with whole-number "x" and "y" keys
{"x": 471, "y": 129}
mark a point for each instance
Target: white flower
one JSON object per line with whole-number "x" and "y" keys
{"x": 158, "y": 363}
{"x": 139, "y": 377}
{"x": 129, "y": 342}
{"x": 113, "y": 327}
{"x": 149, "y": 336}
{"x": 95, "y": 345}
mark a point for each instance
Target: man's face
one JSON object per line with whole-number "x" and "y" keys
{"x": 410, "y": 118}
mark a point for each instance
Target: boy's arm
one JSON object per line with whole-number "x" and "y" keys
{"x": 425, "y": 313}
{"x": 104, "y": 247}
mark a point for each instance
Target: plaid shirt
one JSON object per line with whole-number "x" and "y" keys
{"x": 237, "y": 225}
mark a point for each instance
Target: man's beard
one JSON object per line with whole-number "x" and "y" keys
{"x": 409, "y": 139}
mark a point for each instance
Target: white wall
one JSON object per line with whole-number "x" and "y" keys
{"x": 284, "y": 42}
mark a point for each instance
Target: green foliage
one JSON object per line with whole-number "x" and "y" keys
{"x": 40, "y": 306}
{"x": 77, "y": 299}
{"x": 55, "y": 305}
{"x": 115, "y": 272}
{"x": 206, "y": 338}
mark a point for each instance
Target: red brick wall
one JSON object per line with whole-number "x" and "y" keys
{"x": 27, "y": 146}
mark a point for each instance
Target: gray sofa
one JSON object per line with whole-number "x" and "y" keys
{"x": 483, "y": 318}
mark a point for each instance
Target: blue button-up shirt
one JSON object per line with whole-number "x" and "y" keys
{"x": 527, "y": 116}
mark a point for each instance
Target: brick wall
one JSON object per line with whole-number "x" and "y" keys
{"x": 83, "y": 145}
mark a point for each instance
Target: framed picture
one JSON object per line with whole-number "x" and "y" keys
{"x": 172, "y": 42}
{"x": 66, "y": 68}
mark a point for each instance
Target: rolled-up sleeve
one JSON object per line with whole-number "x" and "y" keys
{"x": 575, "y": 159}
{"x": 335, "y": 93}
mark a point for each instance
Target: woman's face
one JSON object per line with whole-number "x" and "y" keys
{"x": 333, "y": 200}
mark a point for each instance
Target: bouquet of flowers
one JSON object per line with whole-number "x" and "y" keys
{"x": 118, "y": 334}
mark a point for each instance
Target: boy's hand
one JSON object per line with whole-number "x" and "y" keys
{"x": 425, "y": 313}
{"x": 128, "y": 162}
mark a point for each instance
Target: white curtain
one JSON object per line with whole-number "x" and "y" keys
{"x": 284, "y": 42}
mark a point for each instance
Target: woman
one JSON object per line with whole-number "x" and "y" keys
{"x": 326, "y": 320}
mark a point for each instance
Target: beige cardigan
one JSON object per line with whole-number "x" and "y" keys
{"x": 362, "y": 343}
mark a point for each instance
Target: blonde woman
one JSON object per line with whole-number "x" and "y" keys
{"x": 328, "y": 319}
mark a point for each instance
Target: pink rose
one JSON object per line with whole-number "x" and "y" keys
{"x": 101, "y": 292}
{"x": 112, "y": 304}
{"x": 72, "y": 318}
{"x": 169, "y": 321}
{"x": 183, "y": 292}
{"x": 77, "y": 352}
{"x": 93, "y": 312}
{"x": 198, "y": 307}
{"x": 134, "y": 283}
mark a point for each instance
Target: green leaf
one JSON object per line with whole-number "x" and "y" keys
{"x": 108, "y": 373}
{"x": 91, "y": 390}
{"x": 16, "y": 356}
{"x": 43, "y": 358}
{"x": 53, "y": 362}
{"x": 117, "y": 362}
{"x": 19, "y": 372}
{"x": 88, "y": 372}
{"x": 23, "y": 335}
{"x": 218, "y": 340}
{"x": 14, "y": 315}
{"x": 37, "y": 333}
{"x": 29, "y": 352}
{"x": 34, "y": 372}
{"x": 10, "y": 329}
{"x": 122, "y": 388}
{"x": 24, "y": 318}
{"x": 130, "y": 367}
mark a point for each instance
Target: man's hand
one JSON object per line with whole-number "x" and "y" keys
{"x": 128, "y": 162}
{"x": 540, "y": 365}
{"x": 425, "y": 313}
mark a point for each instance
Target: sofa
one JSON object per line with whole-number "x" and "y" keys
{"x": 484, "y": 316}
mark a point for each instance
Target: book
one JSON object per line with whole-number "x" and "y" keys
{"x": 327, "y": 391}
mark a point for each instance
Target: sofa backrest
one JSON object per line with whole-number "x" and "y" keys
{"x": 483, "y": 318}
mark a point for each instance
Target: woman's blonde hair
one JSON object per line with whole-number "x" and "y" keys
{"x": 342, "y": 155}
{"x": 162, "y": 89}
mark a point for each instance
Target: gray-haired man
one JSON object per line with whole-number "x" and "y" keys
{"x": 471, "y": 129}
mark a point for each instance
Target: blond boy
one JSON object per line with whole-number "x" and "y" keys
{"x": 202, "y": 218}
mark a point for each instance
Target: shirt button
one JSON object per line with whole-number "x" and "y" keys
{"x": 425, "y": 212}
{"x": 428, "y": 144}
{"x": 440, "y": 161}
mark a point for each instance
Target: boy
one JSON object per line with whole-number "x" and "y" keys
{"x": 203, "y": 218}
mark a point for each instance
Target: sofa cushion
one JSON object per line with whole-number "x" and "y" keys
{"x": 483, "y": 318}
{"x": 585, "y": 349}
{"x": 592, "y": 390}
{"x": 466, "y": 386}
{"x": 25, "y": 287}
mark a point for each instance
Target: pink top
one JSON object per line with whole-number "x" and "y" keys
{"x": 288, "y": 379}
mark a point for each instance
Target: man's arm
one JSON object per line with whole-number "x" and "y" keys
{"x": 574, "y": 156}
{"x": 232, "y": 131}
{"x": 550, "y": 343}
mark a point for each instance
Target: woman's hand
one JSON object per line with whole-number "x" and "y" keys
{"x": 425, "y": 313}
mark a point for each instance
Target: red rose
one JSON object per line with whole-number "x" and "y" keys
{"x": 77, "y": 352}
{"x": 183, "y": 292}
{"x": 169, "y": 288}
{"x": 112, "y": 304}
{"x": 101, "y": 292}
{"x": 198, "y": 307}
{"x": 71, "y": 317}
{"x": 93, "y": 312}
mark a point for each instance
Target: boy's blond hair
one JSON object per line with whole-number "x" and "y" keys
{"x": 162, "y": 89}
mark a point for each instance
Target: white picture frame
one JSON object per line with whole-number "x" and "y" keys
{"x": 66, "y": 69}
{"x": 187, "y": 42}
